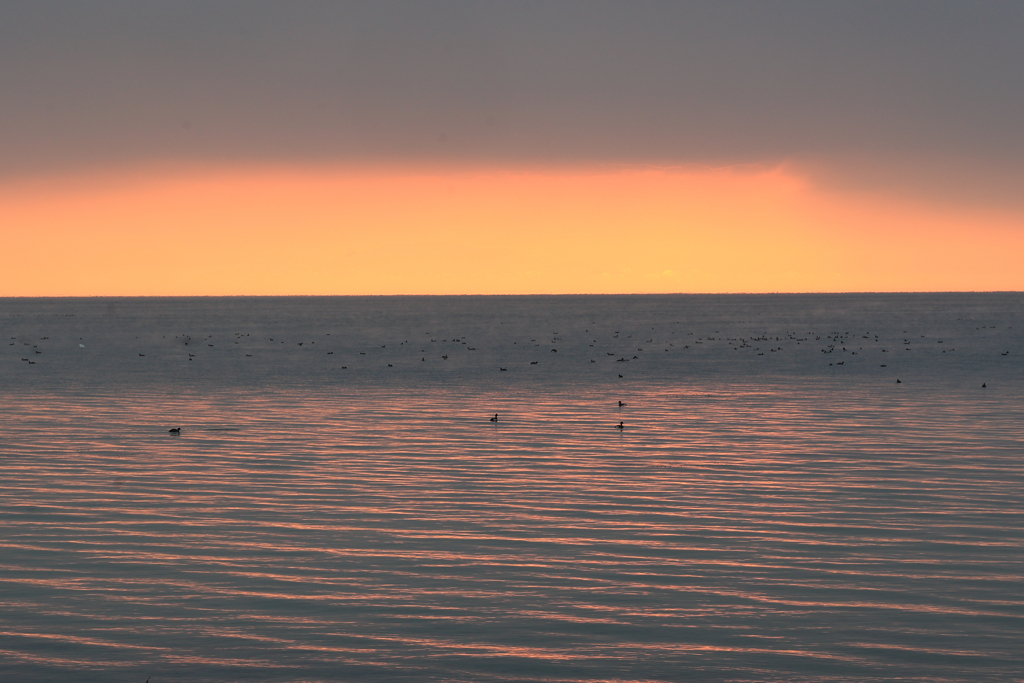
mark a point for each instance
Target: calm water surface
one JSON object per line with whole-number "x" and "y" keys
{"x": 343, "y": 509}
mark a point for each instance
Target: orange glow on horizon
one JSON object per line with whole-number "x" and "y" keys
{"x": 323, "y": 231}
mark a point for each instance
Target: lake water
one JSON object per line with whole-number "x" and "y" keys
{"x": 339, "y": 507}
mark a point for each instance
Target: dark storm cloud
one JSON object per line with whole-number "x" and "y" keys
{"x": 99, "y": 83}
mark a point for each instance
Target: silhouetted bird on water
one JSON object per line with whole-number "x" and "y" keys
{"x": 621, "y": 404}
{"x": 495, "y": 418}
{"x": 176, "y": 430}
{"x": 620, "y": 426}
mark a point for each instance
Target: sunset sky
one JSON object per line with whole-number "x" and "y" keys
{"x": 207, "y": 148}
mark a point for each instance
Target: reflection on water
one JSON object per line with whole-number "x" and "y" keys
{"x": 732, "y": 531}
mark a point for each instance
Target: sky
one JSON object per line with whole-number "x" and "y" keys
{"x": 222, "y": 147}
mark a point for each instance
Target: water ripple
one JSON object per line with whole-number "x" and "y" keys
{"x": 737, "y": 534}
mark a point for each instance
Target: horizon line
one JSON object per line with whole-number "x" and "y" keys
{"x": 535, "y": 294}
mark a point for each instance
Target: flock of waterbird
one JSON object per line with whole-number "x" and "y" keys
{"x": 844, "y": 344}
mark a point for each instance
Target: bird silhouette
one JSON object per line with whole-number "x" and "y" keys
{"x": 176, "y": 430}
{"x": 495, "y": 418}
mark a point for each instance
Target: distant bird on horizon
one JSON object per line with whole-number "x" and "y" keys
{"x": 495, "y": 418}
{"x": 176, "y": 430}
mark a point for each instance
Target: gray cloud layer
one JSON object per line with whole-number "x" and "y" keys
{"x": 102, "y": 83}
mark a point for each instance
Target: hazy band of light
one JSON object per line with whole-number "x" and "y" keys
{"x": 227, "y": 231}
